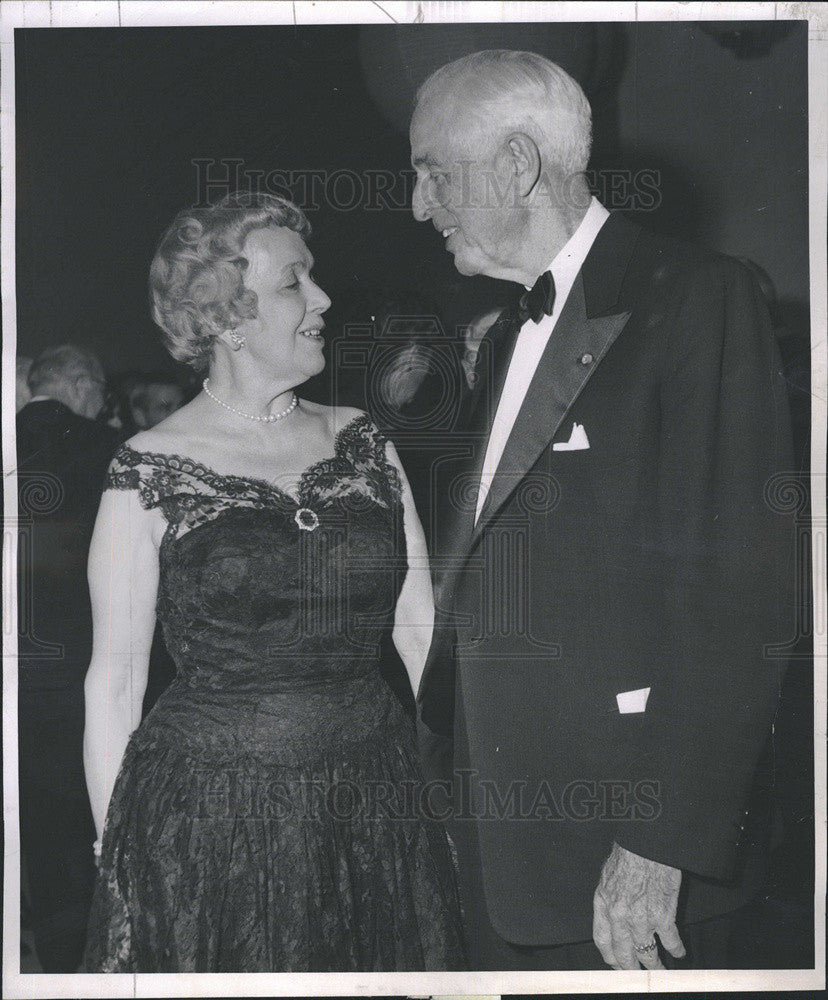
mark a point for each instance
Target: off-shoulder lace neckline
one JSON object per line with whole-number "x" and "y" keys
{"x": 167, "y": 458}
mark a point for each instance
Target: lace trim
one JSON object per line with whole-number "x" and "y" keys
{"x": 176, "y": 484}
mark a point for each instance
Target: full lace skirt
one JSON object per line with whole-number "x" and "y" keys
{"x": 245, "y": 863}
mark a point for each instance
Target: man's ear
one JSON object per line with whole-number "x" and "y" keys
{"x": 524, "y": 162}
{"x": 78, "y": 387}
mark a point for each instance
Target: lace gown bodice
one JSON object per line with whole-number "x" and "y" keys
{"x": 263, "y": 596}
{"x": 273, "y": 607}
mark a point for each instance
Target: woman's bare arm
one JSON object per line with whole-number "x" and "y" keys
{"x": 414, "y": 615}
{"x": 123, "y": 583}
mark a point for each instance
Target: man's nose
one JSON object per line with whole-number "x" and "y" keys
{"x": 320, "y": 302}
{"x": 420, "y": 204}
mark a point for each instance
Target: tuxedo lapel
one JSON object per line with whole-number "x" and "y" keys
{"x": 591, "y": 320}
{"x": 580, "y": 340}
{"x": 558, "y": 381}
{"x": 493, "y": 364}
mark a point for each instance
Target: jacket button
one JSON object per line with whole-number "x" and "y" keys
{"x": 586, "y": 359}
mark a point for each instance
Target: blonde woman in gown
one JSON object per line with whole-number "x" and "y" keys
{"x": 267, "y": 815}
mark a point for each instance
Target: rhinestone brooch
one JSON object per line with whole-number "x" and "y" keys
{"x": 306, "y": 519}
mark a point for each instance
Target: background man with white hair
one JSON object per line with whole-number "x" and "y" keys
{"x": 62, "y": 458}
{"x": 615, "y": 581}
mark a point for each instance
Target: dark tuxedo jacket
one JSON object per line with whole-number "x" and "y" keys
{"x": 655, "y": 558}
{"x": 62, "y": 460}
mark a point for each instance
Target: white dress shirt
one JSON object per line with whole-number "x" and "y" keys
{"x": 532, "y": 340}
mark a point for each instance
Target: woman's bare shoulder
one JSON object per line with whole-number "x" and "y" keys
{"x": 344, "y": 415}
{"x": 333, "y": 417}
{"x": 172, "y": 435}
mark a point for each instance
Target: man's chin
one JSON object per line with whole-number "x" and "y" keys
{"x": 465, "y": 266}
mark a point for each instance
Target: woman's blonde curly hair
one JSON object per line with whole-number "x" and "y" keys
{"x": 197, "y": 274}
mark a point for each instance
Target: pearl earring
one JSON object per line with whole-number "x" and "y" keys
{"x": 238, "y": 340}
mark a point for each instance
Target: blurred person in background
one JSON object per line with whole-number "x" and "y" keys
{"x": 397, "y": 391}
{"x": 405, "y": 376}
{"x": 472, "y": 335}
{"x": 414, "y": 385}
{"x": 63, "y": 454}
{"x": 401, "y": 387}
{"x": 116, "y": 412}
{"x": 140, "y": 400}
{"x": 157, "y": 396}
{"x": 22, "y": 393}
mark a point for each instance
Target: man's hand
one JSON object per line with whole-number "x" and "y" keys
{"x": 635, "y": 900}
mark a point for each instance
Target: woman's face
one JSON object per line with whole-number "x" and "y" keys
{"x": 285, "y": 338}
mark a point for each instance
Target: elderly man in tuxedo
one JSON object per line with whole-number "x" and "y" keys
{"x": 601, "y": 677}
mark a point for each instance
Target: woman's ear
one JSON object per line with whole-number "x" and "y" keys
{"x": 524, "y": 162}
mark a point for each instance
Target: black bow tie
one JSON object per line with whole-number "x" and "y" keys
{"x": 539, "y": 300}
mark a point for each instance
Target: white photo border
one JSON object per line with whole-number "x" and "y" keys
{"x": 145, "y": 13}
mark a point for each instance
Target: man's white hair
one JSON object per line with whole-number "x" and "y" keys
{"x": 517, "y": 92}
{"x": 56, "y": 367}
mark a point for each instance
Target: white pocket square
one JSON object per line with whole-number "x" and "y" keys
{"x": 632, "y": 701}
{"x": 578, "y": 440}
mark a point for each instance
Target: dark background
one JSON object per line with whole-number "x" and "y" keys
{"x": 109, "y": 121}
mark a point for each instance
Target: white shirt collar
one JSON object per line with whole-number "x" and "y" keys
{"x": 571, "y": 257}
{"x": 532, "y": 341}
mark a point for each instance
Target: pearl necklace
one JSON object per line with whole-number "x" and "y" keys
{"x": 267, "y": 418}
